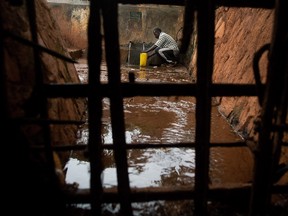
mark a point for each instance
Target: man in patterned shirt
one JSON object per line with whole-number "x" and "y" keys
{"x": 166, "y": 47}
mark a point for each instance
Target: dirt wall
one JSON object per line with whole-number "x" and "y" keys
{"x": 22, "y": 73}
{"x": 239, "y": 33}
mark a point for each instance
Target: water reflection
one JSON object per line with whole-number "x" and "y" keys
{"x": 163, "y": 120}
{"x": 151, "y": 167}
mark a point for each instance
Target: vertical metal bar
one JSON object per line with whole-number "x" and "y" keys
{"x": 8, "y": 131}
{"x": 280, "y": 62}
{"x": 110, "y": 20}
{"x": 95, "y": 107}
{"x": 205, "y": 26}
{"x": 3, "y": 97}
{"x": 264, "y": 158}
{"x": 188, "y": 29}
{"x": 4, "y": 110}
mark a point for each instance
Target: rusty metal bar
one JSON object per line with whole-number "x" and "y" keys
{"x": 7, "y": 128}
{"x": 111, "y": 195}
{"x": 42, "y": 121}
{"x": 227, "y": 3}
{"x": 256, "y": 71}
{"x": 264, "y": 156}
{"x": 178, "y": 145}
{"x": 95, "y": 107}
{"x": 203, "y": 90}
{"x": 281, "y": 66}
{"x": 189, "y": 23}
{"x": 150, "y": 89}
{"x": 205, "y": 48}
{"x": 267, "y": 4}
{"x": 81, "y": 147}
{"x": 38, "y": 47}
{"x": 111, "y": 35}
{"x": 3, "y": 96}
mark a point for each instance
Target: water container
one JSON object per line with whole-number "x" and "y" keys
{"x": 143, "y": 59}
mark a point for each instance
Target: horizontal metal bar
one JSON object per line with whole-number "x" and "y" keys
{"x": 39, "y": 47}
{"x": 46, "y": 121}
{"x": 80, "y": 147}
{"x": 177, "y": 145}
{"x": 166, "y": 193}
{"x": 61, "y": 148}
{"x": 269, "y": 4}
{"x": 148, "y": 89}
{"x": 227, "y": 3}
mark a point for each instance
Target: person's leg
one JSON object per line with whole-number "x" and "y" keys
{"x": 155, "y": 60}
{"x": 167, "y": 54}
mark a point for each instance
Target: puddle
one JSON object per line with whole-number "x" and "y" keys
{"x": 162, "y": 120}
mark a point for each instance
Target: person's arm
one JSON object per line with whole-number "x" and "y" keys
{"x": 150, "y": 49}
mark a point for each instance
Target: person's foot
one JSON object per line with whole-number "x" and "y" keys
{"x": 172, "y": 64}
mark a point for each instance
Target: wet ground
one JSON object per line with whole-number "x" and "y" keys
{"x": 162, "y": 120}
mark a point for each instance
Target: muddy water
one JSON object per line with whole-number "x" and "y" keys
{"x": 162, "y": 120}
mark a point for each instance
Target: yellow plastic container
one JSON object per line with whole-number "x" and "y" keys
{"x": 143, "y": 59}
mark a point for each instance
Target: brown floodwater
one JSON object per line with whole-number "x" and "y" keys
{"x": 161, "y": 120}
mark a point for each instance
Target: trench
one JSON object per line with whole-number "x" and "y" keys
{"x": 160, "y": 120}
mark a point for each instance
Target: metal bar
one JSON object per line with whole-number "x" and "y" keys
{"x": 263, "y": 175}
{"x": 256, "y": 70}
{"x": 205, "y": 49}
{"x": 268, "y": 4}
{"x": 46, "y": 121}
{"x": 38, "y": 47}
{"x": 4, "y": 111}
{"x": 111, "y": 35}
{"x": 150, "y": 89}
{"x": 178, "y": 145}
{"x": 167, "y": 193}
{"x": 95, "y": 107}
{"x": 116, "y": 91}
{"x": 189, "y": 23}
{"x": 79, "y": 147}
{"x": 281, "y": 66}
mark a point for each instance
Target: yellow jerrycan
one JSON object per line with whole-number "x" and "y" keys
{"x": 143, "y": 59}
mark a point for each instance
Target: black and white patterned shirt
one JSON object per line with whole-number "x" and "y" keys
{"x": 166, "y": 41}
